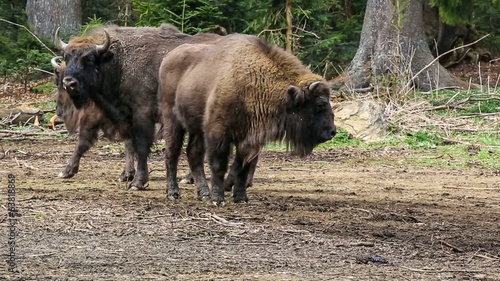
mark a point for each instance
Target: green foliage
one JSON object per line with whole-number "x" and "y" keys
{"x": 486, "y": 20}
{"x": 46, "y": 88}
{"x": 454, "y": 11}
{"x": 20, "y": 52}
{"x": 189, "y": 15}
{"x": 92, "y": 23}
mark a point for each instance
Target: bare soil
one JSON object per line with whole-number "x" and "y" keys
{"x": 343, "y": 214}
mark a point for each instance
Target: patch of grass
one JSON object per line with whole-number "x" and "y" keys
{"x": 466, "y": 102}
{"x": 46, "y": 88}
{"x": 46, "y": 105}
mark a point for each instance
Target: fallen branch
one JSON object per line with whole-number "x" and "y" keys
{"x": 220, "y": 220}
{"x": 447, "y": 105}
{"x": 430, "y": 270}
{"x": 455, "y": 249}
{"x": 33, "y": 133}
{"x": 486, "y": 257}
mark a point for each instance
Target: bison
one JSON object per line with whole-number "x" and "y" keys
{"x": 117, "y": 69}
{"x": 88, "y": 121}
{"x": 242, "y": 91}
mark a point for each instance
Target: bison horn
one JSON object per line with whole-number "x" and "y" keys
{"x": 59, "y": 43}
{"x": 54, "y": 62}
{"x": 313, "y": 86}
{"x": 101, "y": 49}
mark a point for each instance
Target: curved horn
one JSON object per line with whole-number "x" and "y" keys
{"x": 101, "y": 49}
{"x": 54, "y": 63}
{"x": 314, "y": 85}
{"x": 59, "y": 43}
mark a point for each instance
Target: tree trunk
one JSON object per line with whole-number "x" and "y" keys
{"x": 45, "y": 16}
{"x": 393, "y": 45}
{"x": 289, "y": 25}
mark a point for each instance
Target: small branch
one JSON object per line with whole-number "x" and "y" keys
{"x": 447, "y": 105}
{"x": 486, "y": 257}
{"x": 430, "y": 270}
{"x": 308, "y": 32}
{"x": 440, "y": 56}
{"x": 19, "y": 25}
{"x": 456, "y": 249}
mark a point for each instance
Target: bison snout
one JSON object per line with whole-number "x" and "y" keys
{"x": 70, "y": 83}
{"x": 328, "y": 134}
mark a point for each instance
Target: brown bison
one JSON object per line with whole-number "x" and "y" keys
{"x": 117, "y": 69}
{"x": 242, "y": 91}
{"x": 88, "y": 122}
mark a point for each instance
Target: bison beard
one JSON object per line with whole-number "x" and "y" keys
{"x": 240, "y": 91}
{"x": 118, "y": 71}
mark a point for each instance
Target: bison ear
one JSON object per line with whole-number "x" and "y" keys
{"x": 294, "y": 96}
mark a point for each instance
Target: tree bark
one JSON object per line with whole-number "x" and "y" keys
{"x": 45, "y": 16}
{"x": 289, "y": 25}
{"x": 393, "y": 45}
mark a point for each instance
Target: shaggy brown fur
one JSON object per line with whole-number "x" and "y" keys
{"x": 241, "y": 91}
{"x": 123, "y": 80}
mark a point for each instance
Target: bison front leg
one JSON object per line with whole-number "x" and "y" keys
{"x": 218, "y": 154}
{"x": 173, "y": 136}
{"x": 196, "y": 156}
{"x": 87, "y": 136}
{"x": 129, "y": 169}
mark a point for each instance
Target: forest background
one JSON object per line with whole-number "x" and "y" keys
{"x": 325, "y": 34}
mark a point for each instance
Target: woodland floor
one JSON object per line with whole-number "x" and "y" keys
{"x": 332, "y": 216}
{"x": 342, "y": 214}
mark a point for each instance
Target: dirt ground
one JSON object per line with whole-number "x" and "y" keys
{"x": 343, "y": 214}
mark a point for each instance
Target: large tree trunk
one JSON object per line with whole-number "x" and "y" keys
{"x": 394, "y": 44}
{"x": 45, "y": 16}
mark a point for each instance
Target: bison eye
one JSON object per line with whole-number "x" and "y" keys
{"x": 322, "y": 106}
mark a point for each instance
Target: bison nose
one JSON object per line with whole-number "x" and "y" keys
{"x": 334, "y": 132}
{"x": 328, "y": 134}
{"x": 70, "y": 83}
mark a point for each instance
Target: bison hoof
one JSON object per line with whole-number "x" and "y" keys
{"x": 188, "y": 178}
{"x": 127, "y": 176}
{"x": 136, "y": 187}
{"x": 67, "y": 173}
{"x": 204, "y": 193}
{"x": 241, "y": 200}
{"x": 64, "y": 175}
{"x": 174, "y": 195}
{"x": 219, "y": 203}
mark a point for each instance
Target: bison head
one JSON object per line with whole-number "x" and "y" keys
{"x": 83, "y": 60}
{"x": 65, "y": 108}
{"x": 309, "y": 117}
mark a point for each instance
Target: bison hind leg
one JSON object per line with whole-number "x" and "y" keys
{"x": 128, "y": 172}
{"x": 127, "y": 176}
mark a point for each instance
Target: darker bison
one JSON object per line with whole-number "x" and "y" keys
{"x": 117, "y": 69}
{"x": 242, "y": 91}
{"x": 88, "y": 122}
